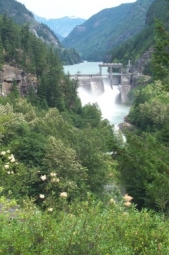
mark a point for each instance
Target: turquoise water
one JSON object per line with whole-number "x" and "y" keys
{"x": 107, "y": 102}
{"x": 83, "y": 68}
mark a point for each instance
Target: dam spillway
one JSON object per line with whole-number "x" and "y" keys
{"x": 94, "y": 84}
{"x": 112, "y": 101}
{"x": 91, "y": 84}
{"x": 115, "y": 75}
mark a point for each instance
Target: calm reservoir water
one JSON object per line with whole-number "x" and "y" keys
{"x": 107, "y": 102}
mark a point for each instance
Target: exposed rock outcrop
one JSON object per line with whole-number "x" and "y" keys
{"x": 124, "y": 90}
{"x": 126, "y": 126}
{"x": 138, "y": 69}
{"x": 140, "y": 64}
{"x": 24, "y": 80}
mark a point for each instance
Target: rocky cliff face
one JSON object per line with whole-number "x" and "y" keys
{"x": 24, "y": 80}
{"x": 138, "y": 69}
{"x": 141, "y": 63}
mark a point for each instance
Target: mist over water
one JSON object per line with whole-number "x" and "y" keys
{"x": 108, "y": 102}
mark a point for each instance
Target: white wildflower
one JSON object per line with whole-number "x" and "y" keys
{"x": 42, "y": 196}
{"x": 127, "y": 203}
{"x": 63, "y": 194}
{"x": 55, "y": 180}
{"x": 6, "y": 166}
{"x": 8, "y": 151}
{"x": 50, "y": 209}
{"x": 12, "y": 159}
{"x": 53, "y": 174}
{"x": 127, "y": 198}
{"x": 43, "y": 177}
{"x": 8, "y": 172}
{"x": 112, "y": 200}
{"x": 3, "y": 153}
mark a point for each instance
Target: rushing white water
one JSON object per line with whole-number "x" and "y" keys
{"x": 108, "y": 101}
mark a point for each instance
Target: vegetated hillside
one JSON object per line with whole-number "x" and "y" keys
{"x": 23, "y": 50}
{"x": 61, "y": 26}
{"x": 48, "y": 120}
{"x": 107, "y": 29}
{"x": 142, "y": 43}
{"x": 21, "y": 15}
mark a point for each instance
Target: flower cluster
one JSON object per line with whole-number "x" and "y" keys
{"x": 127, "y": 200}
{"x": 49, "y": 179}
{"x": 3, "y": 153}
{"x": 10, "y": 158}
{"x": 6, "y": 166}
{"x": 53, "y": 174}
{"x": 55, "y": 180}
{"x": 10, "y": 172}
{"x": 43, "y": 177}
{"x": 63, "y": 194}
{"x": 112, "y": 200}
{"x": 50, "y": 209}
{"x": 42, "y": 196}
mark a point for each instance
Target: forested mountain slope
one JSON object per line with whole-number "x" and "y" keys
{"x": 27, "y": 53}
{"x": 21, "y": 15}
{"x": 107, "y": 29}
{"x": 134, "y": 48}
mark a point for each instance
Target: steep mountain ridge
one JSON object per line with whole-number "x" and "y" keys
{"x": 20, "y": 15}
{"x": 107, "y": 29}
{"x": 139, "y": 48}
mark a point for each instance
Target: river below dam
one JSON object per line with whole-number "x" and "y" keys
{"x": 108, "y": 102}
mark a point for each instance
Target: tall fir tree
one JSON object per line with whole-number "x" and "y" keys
{"x": 160, "y": 61}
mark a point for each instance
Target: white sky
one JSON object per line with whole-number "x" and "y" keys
{"x": 60, "y": 8}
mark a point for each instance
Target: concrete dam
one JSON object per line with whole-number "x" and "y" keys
{"x": 95, "y": 83}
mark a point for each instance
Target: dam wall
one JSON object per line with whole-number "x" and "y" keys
{"x": 94, "y": 84}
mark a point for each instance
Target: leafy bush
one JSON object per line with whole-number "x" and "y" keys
{"x": 83, "y": 228}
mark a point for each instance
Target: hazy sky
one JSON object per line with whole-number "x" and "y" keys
{"x": 60, "y": 8}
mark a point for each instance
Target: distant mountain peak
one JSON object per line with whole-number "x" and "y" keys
{"x": 62, "y": 26}
{"x": 74, "y": 17}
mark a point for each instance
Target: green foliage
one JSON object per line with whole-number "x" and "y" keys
{"x": 150, "y": 108}
{"x": 133, "y": 48}
{"x": 68, "y": 56}
{"x": 160, "y": 61}
{"x": 44, "y": 143}
{"x": 91, "y": 114}
{"x": 143, "y": 163}
{"x": 90, "y": 229}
